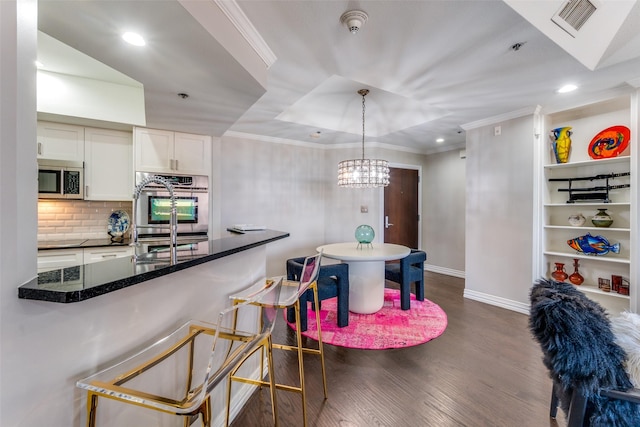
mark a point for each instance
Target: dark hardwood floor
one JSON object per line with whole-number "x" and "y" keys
{"x": 485, "y": 370}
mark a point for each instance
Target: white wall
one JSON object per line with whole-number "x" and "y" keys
{"x": 499, "y": 213}
{"x": 278, "y": 185}
{"x": 75, "y": 96}
{"x": 443, "y": 207}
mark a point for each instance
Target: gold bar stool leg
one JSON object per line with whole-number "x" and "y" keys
{"x": 272, "y": 381}
{"x": 206, "y": 412}
{"x": 301, "y": 362}
{"x": 92, "y": 406}
{"x": 320, "y": 346}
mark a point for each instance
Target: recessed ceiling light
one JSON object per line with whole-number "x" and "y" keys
{"x": 315, "y": 135}
{"x": 134, "y": 39}
{"x": 567, "y": 88}
{"x": 39, "y": 64}
{"x": 440, "y": 140}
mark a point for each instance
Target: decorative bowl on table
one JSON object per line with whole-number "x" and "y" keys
{"x": 118, "y": 224}
{"x": 365, "y": 234}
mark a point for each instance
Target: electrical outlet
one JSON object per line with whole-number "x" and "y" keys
{"x": 497, "y": 130}
{"x": 364, "y": 209}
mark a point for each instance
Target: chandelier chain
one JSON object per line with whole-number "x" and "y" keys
{"x": 363, "y": 94}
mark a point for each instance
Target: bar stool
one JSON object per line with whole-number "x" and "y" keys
{"x": 176, "y": 374}
{"x": 290, "y": 298}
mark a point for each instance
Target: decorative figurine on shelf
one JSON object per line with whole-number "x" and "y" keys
{"x": 593, "y": 245}
{"x": 602, "y": 218}
{"x": 365, "y": 235}
{"x": 559, "y": 274}
{"x": 610, "y": 142}
{"x": 576, "y": 220}
{"x": 561, "y": 143}
{"x": 575, "y": 277}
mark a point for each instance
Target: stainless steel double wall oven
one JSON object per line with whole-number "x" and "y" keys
{"x": 153, "y": 207}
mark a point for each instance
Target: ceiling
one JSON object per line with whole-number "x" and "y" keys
{"x": 430, "y": 66}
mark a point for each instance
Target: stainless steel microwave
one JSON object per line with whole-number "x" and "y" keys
{"x": 60, "y": 179}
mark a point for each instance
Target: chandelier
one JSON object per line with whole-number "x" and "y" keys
{"x": 363, "y": 173}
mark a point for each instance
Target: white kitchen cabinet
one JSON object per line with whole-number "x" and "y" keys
{"x": 192, "y": 154}
{"x": 172, "y": 152}
{"x": 108, "y": 164}
{"x": 59, "y": 141}
{"x": 586, "y": 122}
{"x": 59, "y": 258}
{"x": 92, "y": 255}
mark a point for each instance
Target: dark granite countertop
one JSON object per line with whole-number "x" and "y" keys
{"x": 80, "y": 243}
{"x": 79, "y": 283}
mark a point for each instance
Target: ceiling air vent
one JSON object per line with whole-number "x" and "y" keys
{"x": 573, "y": 15}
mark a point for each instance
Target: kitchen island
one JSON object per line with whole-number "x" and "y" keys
{"x": 143, "y": 301}
{"x": 92, "y": 280}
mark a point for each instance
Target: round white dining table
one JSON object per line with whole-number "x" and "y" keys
{"x": 366, "y": 271}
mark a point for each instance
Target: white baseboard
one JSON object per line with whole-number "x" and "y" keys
{"x": 479, "y": 296}
{"x": 497, "y": 301}
{"x": 444, "y": 270}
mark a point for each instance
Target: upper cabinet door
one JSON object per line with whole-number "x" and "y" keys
{"x": 172, "y": 152}
{"x": 192, "y": 154}
{"x": 153, "y": 150}
{"x": 58, "y": 141}
{"x": 108, "y": 165}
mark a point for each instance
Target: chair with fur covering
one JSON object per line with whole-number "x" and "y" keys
{"x": 584, "y": 362}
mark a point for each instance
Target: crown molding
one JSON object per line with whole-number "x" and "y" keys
{"x": 501, "y": 118}
{"x": 273, "y": 139}
{"x": 634, "y": 82}
{"x": 320, "y": 146}
{"x": 239, "y": 20}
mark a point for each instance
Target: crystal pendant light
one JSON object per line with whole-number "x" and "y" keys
{"x": 363, "y": 173}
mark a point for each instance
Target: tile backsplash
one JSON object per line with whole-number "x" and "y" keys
{"x": 75, "y": 219}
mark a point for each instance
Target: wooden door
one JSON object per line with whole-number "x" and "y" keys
{"x": 401, "y": 208}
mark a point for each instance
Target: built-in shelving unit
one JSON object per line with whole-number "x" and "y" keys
{"x": 556, "y": 207}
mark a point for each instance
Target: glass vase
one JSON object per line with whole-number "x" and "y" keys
{"x": 559, "y": 274}
{"x": 575, "y": 277}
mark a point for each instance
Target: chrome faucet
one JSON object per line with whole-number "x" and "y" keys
{"x": 173, "y": 222}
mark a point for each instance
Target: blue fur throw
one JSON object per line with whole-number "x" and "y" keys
{"x": 580, "y": 353}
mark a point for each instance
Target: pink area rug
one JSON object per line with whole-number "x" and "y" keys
{"x": 390, "y": 327}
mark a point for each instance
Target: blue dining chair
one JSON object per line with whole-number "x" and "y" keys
{"x": 409, "y": 270}
{"x": 333, "y": 281}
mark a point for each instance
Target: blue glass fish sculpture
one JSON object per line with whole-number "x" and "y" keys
{"x": 593, "y": 245}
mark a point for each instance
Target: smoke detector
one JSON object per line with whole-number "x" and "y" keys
{"x": 354, "y": 19}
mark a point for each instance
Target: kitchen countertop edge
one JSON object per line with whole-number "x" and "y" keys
{"x": 246, "y": 241}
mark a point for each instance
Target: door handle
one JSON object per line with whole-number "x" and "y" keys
{"x": 39, "y": 148}
{"x": 387, "y": 224}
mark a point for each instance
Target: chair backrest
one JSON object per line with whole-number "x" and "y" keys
{"x": 415, "y": 257}
{"x": 304, "y": 270}
{"x": 242, "y": 340}
{"x": 269, "y": 302}
{"x": 578, "y": 345}
{"x": 309, "y": 272}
